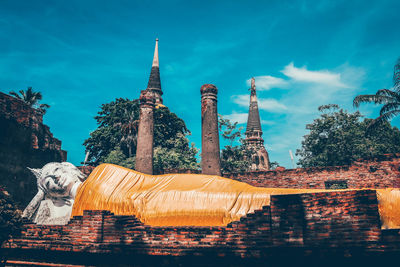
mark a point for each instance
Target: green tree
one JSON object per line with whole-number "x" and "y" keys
{"x": 31, "y": 98}
{"x": 390, "y": 98}
{"x": 230, "y": 131}
{"x": 128, "y": 124}
{"x": 114, "y": 141}
{"x": 339, "y": 138}
{"x": 273, "y": 165}
{"x": 175, "y": 154}
{"x": 10, "y": 220}
{"x": 233, "y": 158}
{"x": 108, "y": 136}
{"x": 117, "y": 157}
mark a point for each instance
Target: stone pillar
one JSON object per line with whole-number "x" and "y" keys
{"x": 144, "y": 150}
{"x": 210, "y": 161}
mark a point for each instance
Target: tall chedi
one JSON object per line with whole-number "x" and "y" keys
{"x": 149, "y": 98}
{"x": 254, "y": 140}
{"x": 154, "y": 84}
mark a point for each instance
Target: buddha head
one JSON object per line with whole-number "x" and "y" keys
{"x": 57, "y": 179}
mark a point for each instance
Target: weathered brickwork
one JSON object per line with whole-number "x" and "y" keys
{"x": 334, "y": 219}
{"x": 338, "y": 223}
{"x": 86, "y": 170}
{"x": 382, "y": 172}
{"x": 210, "y": 158}
{"x": 144, "y": 149}
{"x": 24, "y": 142}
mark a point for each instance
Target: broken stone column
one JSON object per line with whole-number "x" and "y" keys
{"x": 210, "y": 161}
{"x": 144, "y": 150}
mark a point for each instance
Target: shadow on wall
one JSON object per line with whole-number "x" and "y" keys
{"x": 24, "y": 142}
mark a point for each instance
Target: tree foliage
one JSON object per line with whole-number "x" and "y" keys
{"x": 115, "y": 139}
{"x": 128, "y": 124}
{"x": 31, "y": 98}
{"x": 175, "y": 154}
{"x": 339, "y": 138}
{"x": 107, "y": 137}
{"x": 10, "y": 219}
{"x": 273, "y": 165}
{"x": 117, "y": 157}
{"x": 390, "y": 98}
{"x": 233, "y": 158}
{"x": 230, "y": 131}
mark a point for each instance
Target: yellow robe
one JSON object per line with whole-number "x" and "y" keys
{"x": 190, "y": 199}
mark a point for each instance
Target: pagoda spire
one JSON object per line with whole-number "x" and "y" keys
{"x": 253, "y": 120}
{"x": 155, "y": 58}
{"x": 254, "y": 140}
{"x": 154, "y": 84}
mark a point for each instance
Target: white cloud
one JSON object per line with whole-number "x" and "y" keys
{"x": 264, "y": 122}
{"x": 236, "y": 117}
{"x": 318, "y": 77}
{"x": 241, "y": 100}
{"x": 267, "y": 82}
{"x": 271, "y": 105}
{"x": 268, "y": 104}
{"x": 241, "y": 118}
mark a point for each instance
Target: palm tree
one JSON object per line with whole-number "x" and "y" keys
{"x": 390, "y": 98}
{"x": 129, "y": 127}
{"x": 31, "y": 98}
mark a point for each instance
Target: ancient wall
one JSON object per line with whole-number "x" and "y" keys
{"x": 332, "y": 225}
{"x": 86, "y": 169}
{"x": 381, "y": 172}
{"x": 24, "y": 142}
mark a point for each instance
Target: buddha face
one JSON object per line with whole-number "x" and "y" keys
{"x": 56, "y": 179}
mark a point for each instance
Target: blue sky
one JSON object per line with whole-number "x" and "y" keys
{"x": 81, "y": 54}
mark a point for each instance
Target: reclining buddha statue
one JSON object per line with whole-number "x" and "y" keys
{"x": 157, "y": 200}
{"x": 57, "y": 185}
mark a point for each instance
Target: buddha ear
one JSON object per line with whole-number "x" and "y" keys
{"x": 36, "y": 172}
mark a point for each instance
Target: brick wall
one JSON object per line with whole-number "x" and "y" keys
{"x": 86, "y": 170}
{"x": 345, "y": 218}
{"x": 381, "y": 172}
{"x": 24, "y": 142}
{"x": 335, "y": 222}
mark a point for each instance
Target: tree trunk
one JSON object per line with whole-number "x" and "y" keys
{"x": 130, "y": 150}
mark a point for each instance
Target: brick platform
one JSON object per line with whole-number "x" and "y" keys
{"x": 334, "y": 225}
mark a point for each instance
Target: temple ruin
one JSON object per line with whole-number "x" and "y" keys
{"x": 210, "y": 158}
{"x": 154, "y": 84}
{"x": 25, "y": 141}
{"x": 254, "y": 141}
{"x": 145, "y": 142}
{"x": 313, "y": 225}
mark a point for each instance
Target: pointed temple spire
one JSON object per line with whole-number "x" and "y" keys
{"x": 154, "y": 84}
{"x": 155, "y": 58}
{"x": 254, "y": 140}
{"x": 253, "y": 121}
